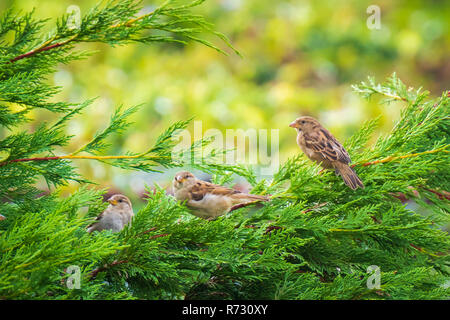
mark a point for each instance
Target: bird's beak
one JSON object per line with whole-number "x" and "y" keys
{"x": 293, "y": 124}
{"x": 113, "y": 202}
{"x": 179, "y": 179}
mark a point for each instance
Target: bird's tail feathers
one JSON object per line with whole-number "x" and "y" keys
{"x": 243, "y": 197}
{"x": 91, "y": 227}
{"x": 258, "y": 197}
{"x": 349, "y": 176}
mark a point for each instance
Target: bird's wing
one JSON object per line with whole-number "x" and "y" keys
{"x": 201, "y": 188}
{"x": 99, "y": 217}
{"x": 323, "y": 142}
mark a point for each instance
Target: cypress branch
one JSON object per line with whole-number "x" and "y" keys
{"x": 390, "y": 158}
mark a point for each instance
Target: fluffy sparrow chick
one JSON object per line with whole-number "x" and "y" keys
{"x": 207, "y": 200}
{"x": 116, "y": 215}
{"x": 321, "y": 146}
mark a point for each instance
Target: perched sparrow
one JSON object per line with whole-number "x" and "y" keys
{"x": 207, "y": 200}
{"x": 320, "y": 146}
{"x": 116, "y": 215}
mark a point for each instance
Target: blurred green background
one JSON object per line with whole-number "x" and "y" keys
{"x": 299, "y": 58}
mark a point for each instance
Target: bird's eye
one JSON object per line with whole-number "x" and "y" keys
{"x": 120, "y": 200}
{"x": 303, "y": 121}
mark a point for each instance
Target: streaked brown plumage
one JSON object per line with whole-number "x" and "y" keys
{"x": 321, "y": 146}
{"x": 116, "y": 215}
{"x": 207, "y": 200}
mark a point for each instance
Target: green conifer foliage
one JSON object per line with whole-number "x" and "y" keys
{"x": 315, "y": 239}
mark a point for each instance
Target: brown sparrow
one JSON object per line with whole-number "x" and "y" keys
{"x": 321, "y": 146}
{"x": 207, "y": 200}
{"x": 118, "y": 213}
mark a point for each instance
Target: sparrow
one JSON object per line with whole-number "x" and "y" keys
{"x": 207, "y": 200}
{"x": 118, "y": 213}
{"x": 321, "y": 146}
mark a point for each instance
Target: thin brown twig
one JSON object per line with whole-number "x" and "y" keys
{"x": 105, "y": 267}
{"x": 149, "y": 230}
{"x": 438, "y": 254}
{"x": 442, "y": 196}
{"x": 269, "y": 229}
{"x": 391, "y": 158}
{"x": 44, "y": 47}
{"x": 416, "y": 247}
{"x": 48, "y": 46}
{"x": 29, "y": 159}
{"x": 77, "y": 157}
{"x": 160, "y": 235}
